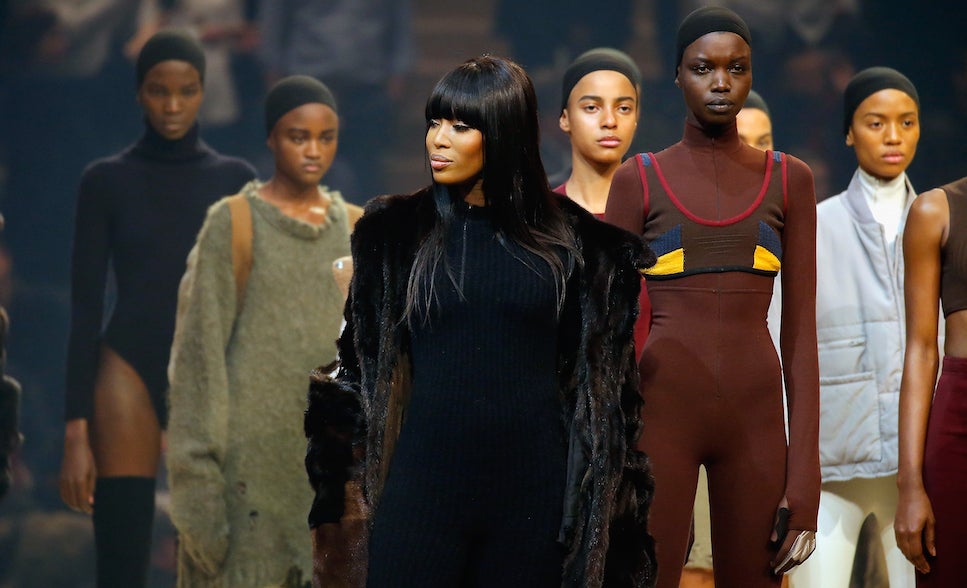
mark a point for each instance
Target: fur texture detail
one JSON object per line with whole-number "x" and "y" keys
{"x": 332, "y": 421}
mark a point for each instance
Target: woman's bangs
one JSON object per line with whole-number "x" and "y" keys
{"x": 457, "y": 97}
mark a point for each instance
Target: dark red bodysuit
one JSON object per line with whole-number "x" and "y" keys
{"x": 722, "y": 216}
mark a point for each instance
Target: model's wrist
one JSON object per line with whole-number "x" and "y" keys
{"x": 75, "y": 431}
{"x": 909, "y": 483}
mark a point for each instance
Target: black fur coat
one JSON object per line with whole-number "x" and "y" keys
{"x": 609, "y": 483}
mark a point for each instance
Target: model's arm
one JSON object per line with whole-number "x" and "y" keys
{"x": 923, "y": 237}
{"x": 626, "y": 205}
{"x": 89, "y": 262}
{"x": 797, "y": 340}
{"x": 198, "y": 434}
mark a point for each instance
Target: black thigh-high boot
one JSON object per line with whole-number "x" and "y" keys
{"x": 123, "y": 517}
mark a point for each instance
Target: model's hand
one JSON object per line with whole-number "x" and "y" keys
{"x": 914, "y": 528}
{"x": 77, "y": 471}
{"x": 797, "y": 548}
{"x": 794, "y": 545}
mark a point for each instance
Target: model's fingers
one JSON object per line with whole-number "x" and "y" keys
{"x": 913, "y": 549}
{"x": 66, "y": 494}
{"x": 87, "y": 497}
{"x": 929, "y": 538}
{"x": 911, "y": 540}
{"x": 74, "y": 495}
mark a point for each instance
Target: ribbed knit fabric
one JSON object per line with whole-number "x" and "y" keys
{"x": 239, "y": 494}
{"x": 474, "y": 492}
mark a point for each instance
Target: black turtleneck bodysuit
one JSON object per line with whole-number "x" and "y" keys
{"x": 140, "y": 212}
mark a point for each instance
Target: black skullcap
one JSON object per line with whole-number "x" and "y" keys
{"x": 291, "y": 93}
{"x": 170, "y": 44}
{"x": 869, "y": 82}
{"x": 601, "y": 58}
{"x": 755, "y": 100}
{"x": 710, "y": 19}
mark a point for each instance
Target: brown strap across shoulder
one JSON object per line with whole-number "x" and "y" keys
{"x": 241, "y": 213}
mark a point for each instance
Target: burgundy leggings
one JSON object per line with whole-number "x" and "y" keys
{"x": 945, "y": 475}
{"x": 713, "y": 395}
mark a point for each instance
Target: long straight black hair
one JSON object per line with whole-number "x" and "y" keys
{"x": 495, "y": 96}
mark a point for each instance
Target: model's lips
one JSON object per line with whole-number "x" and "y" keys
{"x": 609, "y": 142}
{"x": 894, "y": 157}
{"x": 312, "y": 168}
{"x": 439, "y": 162}
{"x": 719, "y": 105}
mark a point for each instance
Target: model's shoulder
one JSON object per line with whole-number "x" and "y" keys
{"x": 219, "y": 215}
{"x": 231, "y": 165}
{"x": 932, "y": 204}
{"x": 105, "y": 176}
{"x": 109, "y": 165}
{"x": 796, "y": 165}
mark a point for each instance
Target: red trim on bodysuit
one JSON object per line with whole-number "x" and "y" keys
{"x": 711, "y": 223}
{"x": 646, "y": 197}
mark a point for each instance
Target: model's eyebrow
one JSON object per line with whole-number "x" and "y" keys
{"x": 881, "y": 115}
{"x": 601, "y": 99}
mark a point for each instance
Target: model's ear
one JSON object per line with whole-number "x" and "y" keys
{"x": 564, "y": 122}
{"x": 849, "y": 137}
{"x": 677, "y": 82}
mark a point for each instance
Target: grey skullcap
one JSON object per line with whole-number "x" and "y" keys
{"x": 754, "y": 100}
{"x": 869, "y": 82}
{"x": 291, "y": 93}
{"x": 601, "y": 58}
{"x": 709, "y": 19}
{"x": 170, "y": 44}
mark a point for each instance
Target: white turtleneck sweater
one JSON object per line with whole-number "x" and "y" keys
{"x": 886, "y": 199}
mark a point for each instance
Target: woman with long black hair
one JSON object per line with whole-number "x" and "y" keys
{"x": 489, "y": 345}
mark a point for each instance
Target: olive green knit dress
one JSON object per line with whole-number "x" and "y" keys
{"x": 239, "y": 493}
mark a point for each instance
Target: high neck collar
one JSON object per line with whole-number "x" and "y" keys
{"x": 726, "y": 138}
{"x": 152, "y": 145}
{"x": 877, "y": 189}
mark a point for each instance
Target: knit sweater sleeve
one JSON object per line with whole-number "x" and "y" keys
{"x": 198, "y": 434}
{"x": 89, "y": 263}
{"x": 797, "y": 341}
